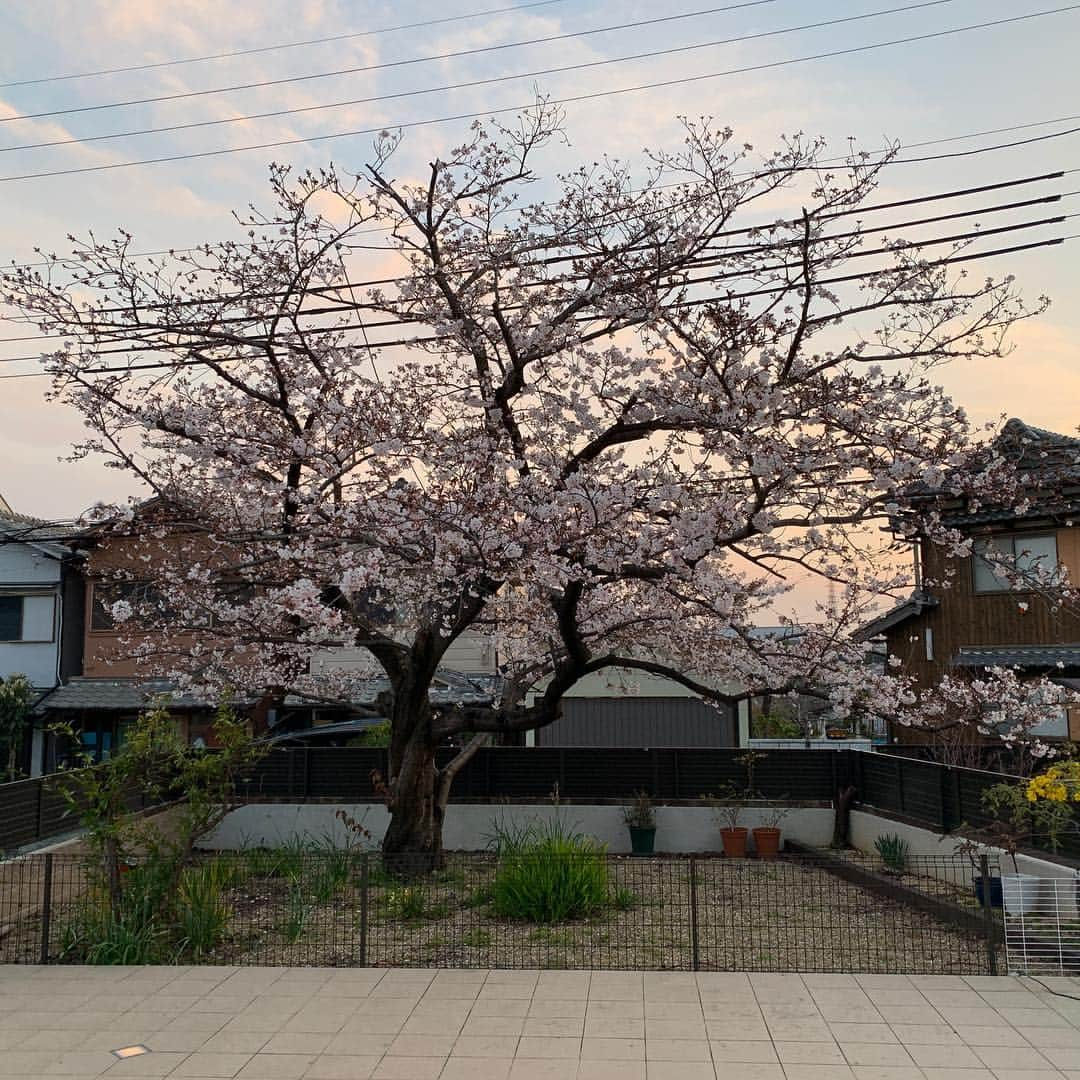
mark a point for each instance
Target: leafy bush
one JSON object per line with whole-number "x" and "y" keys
{"x": 894, "y": 852}
{"x": 548, "y": 874}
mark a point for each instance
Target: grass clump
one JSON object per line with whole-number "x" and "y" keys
{"x": 549, "y": 874}
{"x": 894, "y": 852}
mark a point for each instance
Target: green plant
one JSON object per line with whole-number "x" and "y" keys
{"x": 623, "y": 899}
{"x": 332, "y": 870}
{"x": 202, "y": 913}
{"x": 297, "y": 913}
{"x": 548, "y": 874}
{"x": 16, "y": 697}
{"x": 410, "y": 904}
{"x": 1013, "y": 820}
{"x": 894, "y": 852}
{"x": 775, "y": 725}
{"x": 377, "y": 734}
{"x": 727, "y": 805}
{"x": 476, "y": 939}
{"x": 640, "y": 813}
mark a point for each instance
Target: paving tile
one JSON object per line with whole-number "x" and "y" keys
{"x": 549, "y": 1027}
{"x": 805, "y": 1030}
{"x": 863, "y": 1033}
{"x": 1033, "y": 1017}
{"x": 1026, "y": 1074}
{"x": 926, "y": 1035}
{"x": 673, "y": 1010}
{"x": 614, "y": 1028}
{"x": 1001, "y": 1035}
{"x": 1011, "y": 1057}
{"x": 680, "y": 1070}
{"x": 879, "y": 1054}
{"x": 611, "y": 1070}
{"x": 674, "y": 1029}
{"x": 522, "y": 1007}
{"x": 952, "y": 1057}
{"x": 406, "y": 1068}
{"x": 737, "y": 1030}
{"x": 276, "y": 1067}
{"x": 290, "y": 1042}
{"x": 619, "y": 1010}
{"x": 809, "y": 1053}
{"x": 1049, "y": 1036}
{"x": 562, "y": 984}
{"x": 421, "y": 1046}
{"x": 495, "y": 1046}
{"x": 477, "y": 1069}
{"x": 1064, "y": 1057}
{"x": 78, "y": 1062}
{"x": 155, "y": 1064}
{"x": 818, "y": 1072}
{"x": 677, "y": 1050}
{"x": 611, "y": 1049}
{"x": 504, "y": 1025}
{"x": 341, "y": 1067}
{"x": 909, "y": 1014}
{"x": 762, "y": 1053}
{"x": 887, "y": 1072}
{"x": 753, "y": 1071}
{"x": 360, "y": 1045}
{"x": 539, "y": 1069}
{"x": 211, "y": 1064}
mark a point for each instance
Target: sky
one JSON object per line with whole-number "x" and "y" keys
{"x": 1023, "y": 73}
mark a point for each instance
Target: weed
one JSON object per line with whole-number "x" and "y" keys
{"x": 297, "y": 913}
{"x": 623, "y": 899}
{"x": 548, "y": 875}
{"x": 201, "y": 912}
{"x": 894, "y": 852}
{"x": 476, "y": 939}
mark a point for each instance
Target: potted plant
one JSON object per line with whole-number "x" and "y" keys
{"x": 767, "y": 834}
{"x": 728, "y": 809}
{"x": 1017, "y": 813}
{"x": 640, "y": 818}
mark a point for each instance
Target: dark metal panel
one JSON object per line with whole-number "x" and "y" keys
{"x": 640, "y": 722}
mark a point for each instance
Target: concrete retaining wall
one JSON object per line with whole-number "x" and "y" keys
{"x": 470, "y": 826}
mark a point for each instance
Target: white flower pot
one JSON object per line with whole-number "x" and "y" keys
{"x": 1020, "y": 893}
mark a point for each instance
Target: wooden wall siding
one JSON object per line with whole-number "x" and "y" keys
{"x": 629, "y": 721}
{"x": 966, "y": 618}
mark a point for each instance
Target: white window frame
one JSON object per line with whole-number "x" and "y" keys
{"x": 1007, "y": 544}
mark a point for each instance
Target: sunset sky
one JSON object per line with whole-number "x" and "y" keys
{"x": 1024, "y": 73}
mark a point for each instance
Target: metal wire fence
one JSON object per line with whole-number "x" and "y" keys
{"x": 804, "y": 913}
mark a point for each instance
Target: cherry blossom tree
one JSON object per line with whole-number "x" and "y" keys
{"x": 603, "y": 429}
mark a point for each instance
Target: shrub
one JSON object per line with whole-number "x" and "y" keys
{"x": 894, "y": 852}
{"x": 297, "y": 913}
{"x": 410, "y": 903}
{"x": 549, "y": 874}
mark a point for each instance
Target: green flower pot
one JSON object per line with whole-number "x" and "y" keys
{"x": 642, "y": 840}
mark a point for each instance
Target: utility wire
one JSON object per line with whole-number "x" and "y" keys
{"x": 386, "y": 228}
{"x": 722, "y": 234}
{"x": 291, "y": 44}
{"x": 686, "y": 80}
{"x": 183, "y": 95}
{"x": 442, "y": 87}
{"x": 724, "y": 298}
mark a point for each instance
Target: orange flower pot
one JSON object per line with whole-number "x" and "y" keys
{"x": 767, "y": 842}
{"x": 734, "y": 841}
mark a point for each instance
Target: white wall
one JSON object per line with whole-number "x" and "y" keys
{"x": 23, "y": 566}
{"x": 470, "y": 826}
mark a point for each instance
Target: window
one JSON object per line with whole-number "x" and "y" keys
{"x": 11, "y": 617}
{"x": 141, "y": 595}
{"x": 1029, "y": 554}
{"x": 28, "y": 618}
{"x": 1055, "y": 728}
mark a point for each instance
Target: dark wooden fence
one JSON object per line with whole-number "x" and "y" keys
{"x": 936, "y": 796}
{"x": 589, "y": 772}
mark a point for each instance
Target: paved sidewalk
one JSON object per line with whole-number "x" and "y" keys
{"x": 354, "y": 1024}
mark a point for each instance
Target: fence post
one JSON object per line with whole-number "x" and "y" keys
{"x": 307, "y": 772}
{"x": 37, "y": 813}
{"x": 695, "y": 962}
{"x": 46, "y": 908}
{"x": 988, "y": 915}
{"x": 364, "y": 883}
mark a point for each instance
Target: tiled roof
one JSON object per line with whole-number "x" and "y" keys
{"x": 1038, "y": 656}
{"x": 1051, "y": 462}
{"x": 914, "y": 605}
{"x": 131, "y": 695}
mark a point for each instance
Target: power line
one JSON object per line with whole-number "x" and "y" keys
{"x": 584, "y": 65}
{"x": 699, "y": 260}
{"x": 288, "y": 45}
{"x": 686, "y": 80}
{"x": 408, "y": 62}
{"x": 727, "y": 298}
{"x": 385, "y": 228}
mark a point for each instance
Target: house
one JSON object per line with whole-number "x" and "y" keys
{"x": 968, "y": 614}
{"x": 41, "y": 608}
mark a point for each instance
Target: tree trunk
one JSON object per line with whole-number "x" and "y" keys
{"x": 413, "y": 841}
{"x": 842, "y": 817}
